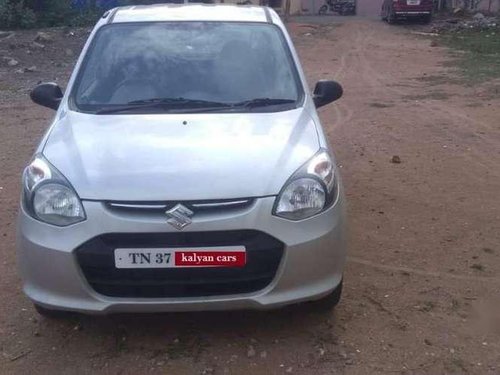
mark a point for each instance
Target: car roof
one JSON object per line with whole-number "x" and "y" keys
{"x": 190, "y": 12}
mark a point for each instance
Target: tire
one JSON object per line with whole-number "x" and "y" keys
{"x": 322, "y": 10}
{"x": 427, "y": 19}
{"x": 383, "y": 15}
{"x": 51, "y": 314}
{"x": 391, "y": 17}
{"x": 329, "y": 301}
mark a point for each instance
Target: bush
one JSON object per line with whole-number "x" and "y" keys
{"x": 84, "y": 18}
{"x": 15, "y": 14}
{"x": 25, "y": 14}
{"x": 54, "y": 13}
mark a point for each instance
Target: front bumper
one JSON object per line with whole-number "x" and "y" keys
{"x": 412, "y": 13}
{"x": 412, "y": 10}
{"x": 311, "y": 266}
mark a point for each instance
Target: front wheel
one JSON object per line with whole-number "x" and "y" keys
{"x": 427, "y": 18}
{"x": 383, "y": 15}
{"x": 322, "y": 11}
{"x": 391, "y": 17}
{"x": 331, "y": 300}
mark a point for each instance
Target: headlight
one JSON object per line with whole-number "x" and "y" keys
{"x": 48, "y": 196}
{"x": 310, "y": 190}
{"x": 301, "y": 198}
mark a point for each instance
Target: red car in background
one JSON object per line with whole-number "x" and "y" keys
{"x": 393, "y": 10}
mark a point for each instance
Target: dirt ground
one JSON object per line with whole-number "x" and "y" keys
{"x": 423, "y": 277}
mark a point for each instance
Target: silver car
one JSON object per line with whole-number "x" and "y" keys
{"x": 185, "y": 169}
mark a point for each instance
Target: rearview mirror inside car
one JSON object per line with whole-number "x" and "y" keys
{"x": 47, "y": 94}
{"x": 326, "y": 92}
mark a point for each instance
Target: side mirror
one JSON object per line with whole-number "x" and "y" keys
{"x": 47, "y": 94}
{"x": 326, "y": 92}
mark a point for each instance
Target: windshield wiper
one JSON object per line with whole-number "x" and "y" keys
{"x": 167, "y": 103}
{"x": 181, "y": 101}
{"x": 189, "y": 105}
{"x": 262, "y": 102}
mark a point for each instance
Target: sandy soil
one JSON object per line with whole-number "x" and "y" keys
{"x": 424, "y": 266}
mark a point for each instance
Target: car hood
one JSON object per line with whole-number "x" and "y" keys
{"x": 180, "y": 157}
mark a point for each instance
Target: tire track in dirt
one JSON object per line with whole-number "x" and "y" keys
{"x": 443, "y": 109}
{"x": 360, "y": 68}
{"x": 343, "y": 112}
{"x": 375, "y": 80}
{"x": 424, "y": 273}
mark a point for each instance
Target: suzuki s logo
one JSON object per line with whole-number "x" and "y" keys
{"x": 179, "y": 216}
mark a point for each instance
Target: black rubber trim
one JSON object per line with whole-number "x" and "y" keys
{"x": 268, "y": 15}
{"x": 113, "y": 14}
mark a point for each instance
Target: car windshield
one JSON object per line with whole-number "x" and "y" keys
{"x": 181, "y": 66}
